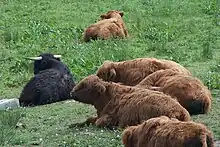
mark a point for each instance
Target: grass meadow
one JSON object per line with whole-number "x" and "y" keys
{"x": 186, "y": 31}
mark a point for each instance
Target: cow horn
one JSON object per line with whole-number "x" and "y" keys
{"x": 34, "y": 58}
{"x": 57, "y": 56}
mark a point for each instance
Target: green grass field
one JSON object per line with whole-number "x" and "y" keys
{"x": 186, "y": 31}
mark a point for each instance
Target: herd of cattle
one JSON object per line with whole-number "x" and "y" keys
{"x": 151, "y": 99}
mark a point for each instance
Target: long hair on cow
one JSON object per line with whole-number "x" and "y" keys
{"x": 52, "y": 81}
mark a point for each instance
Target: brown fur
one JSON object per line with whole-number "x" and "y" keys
{"x": 189, "y": 91}
{"x": 110, "y": 25}
{"x": 131, "y": 72}
{"x": 157, "y": 78}
{"x": 120, "y": 105}
{"x": 165, "y": 132}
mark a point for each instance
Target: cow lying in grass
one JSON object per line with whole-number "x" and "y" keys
{"x": 52, "y": 82}
{"x": 131, "y": 72}
{"x": 165, "y": 132}
{"x": 111, "y": 25}
{"x": 187, "y": 90}
{"x": 120, "y": 105}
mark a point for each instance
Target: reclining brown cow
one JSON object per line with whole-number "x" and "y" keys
{"x": 165, "y": 132}
{"x": 187, "y": 90}
{"x": 120, "y": 105}
{"x": 131, "y": 72}
{"x": 111, "y": 25}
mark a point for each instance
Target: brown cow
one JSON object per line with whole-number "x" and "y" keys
{"x": 110, "y": 25}
{"x": 187, "y": 90}
{"x": 165, "y": 132}
{"x": 131, "y": 72}
{"x": 120, "y": 105}
{"x": 157, "y": 78}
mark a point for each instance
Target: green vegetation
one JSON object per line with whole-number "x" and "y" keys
{"x": 185, "y": 31}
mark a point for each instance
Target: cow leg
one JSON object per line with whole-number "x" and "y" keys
{"x": 104, "y": 121}
{"x": 90, "y": 120}
{"x": 126, "y": 32}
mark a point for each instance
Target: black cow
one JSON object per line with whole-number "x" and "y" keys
{"x": 52, "y": 82}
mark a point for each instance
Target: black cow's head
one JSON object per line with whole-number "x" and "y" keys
{"x": 44, "y": 61}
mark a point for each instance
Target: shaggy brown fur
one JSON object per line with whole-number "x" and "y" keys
{"x": 120, "y": 105}
{"x": 110, "y": 25}
{"x": 165, "y": 132}
{"x": 189, "y": 91}
{"x": 157, "y": 78}
{"x": 131, "y": 72}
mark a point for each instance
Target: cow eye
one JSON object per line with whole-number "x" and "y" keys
{"x": 44, "y": 62}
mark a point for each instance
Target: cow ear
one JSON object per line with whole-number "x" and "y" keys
{"x": 103, "y": 16}
{"x": 127, "y": 137}
{"x": 112, "y": 74}
{"x": 121, "y": 13}
{"x": 100, "y": 87}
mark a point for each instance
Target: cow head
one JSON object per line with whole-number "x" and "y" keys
{"x": 136, "y": 135}
{"x": 111, "y": 14}
{"x": 44, "y": 61}
{"x": 89, "y": 90}
{"x": 128, "y": 136}
{"x": 107, "y": 71}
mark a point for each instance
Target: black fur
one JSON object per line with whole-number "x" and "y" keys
{"x": 51, "y": 83}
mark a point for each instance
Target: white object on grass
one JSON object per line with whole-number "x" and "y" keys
{"x": 9, "y": 103}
